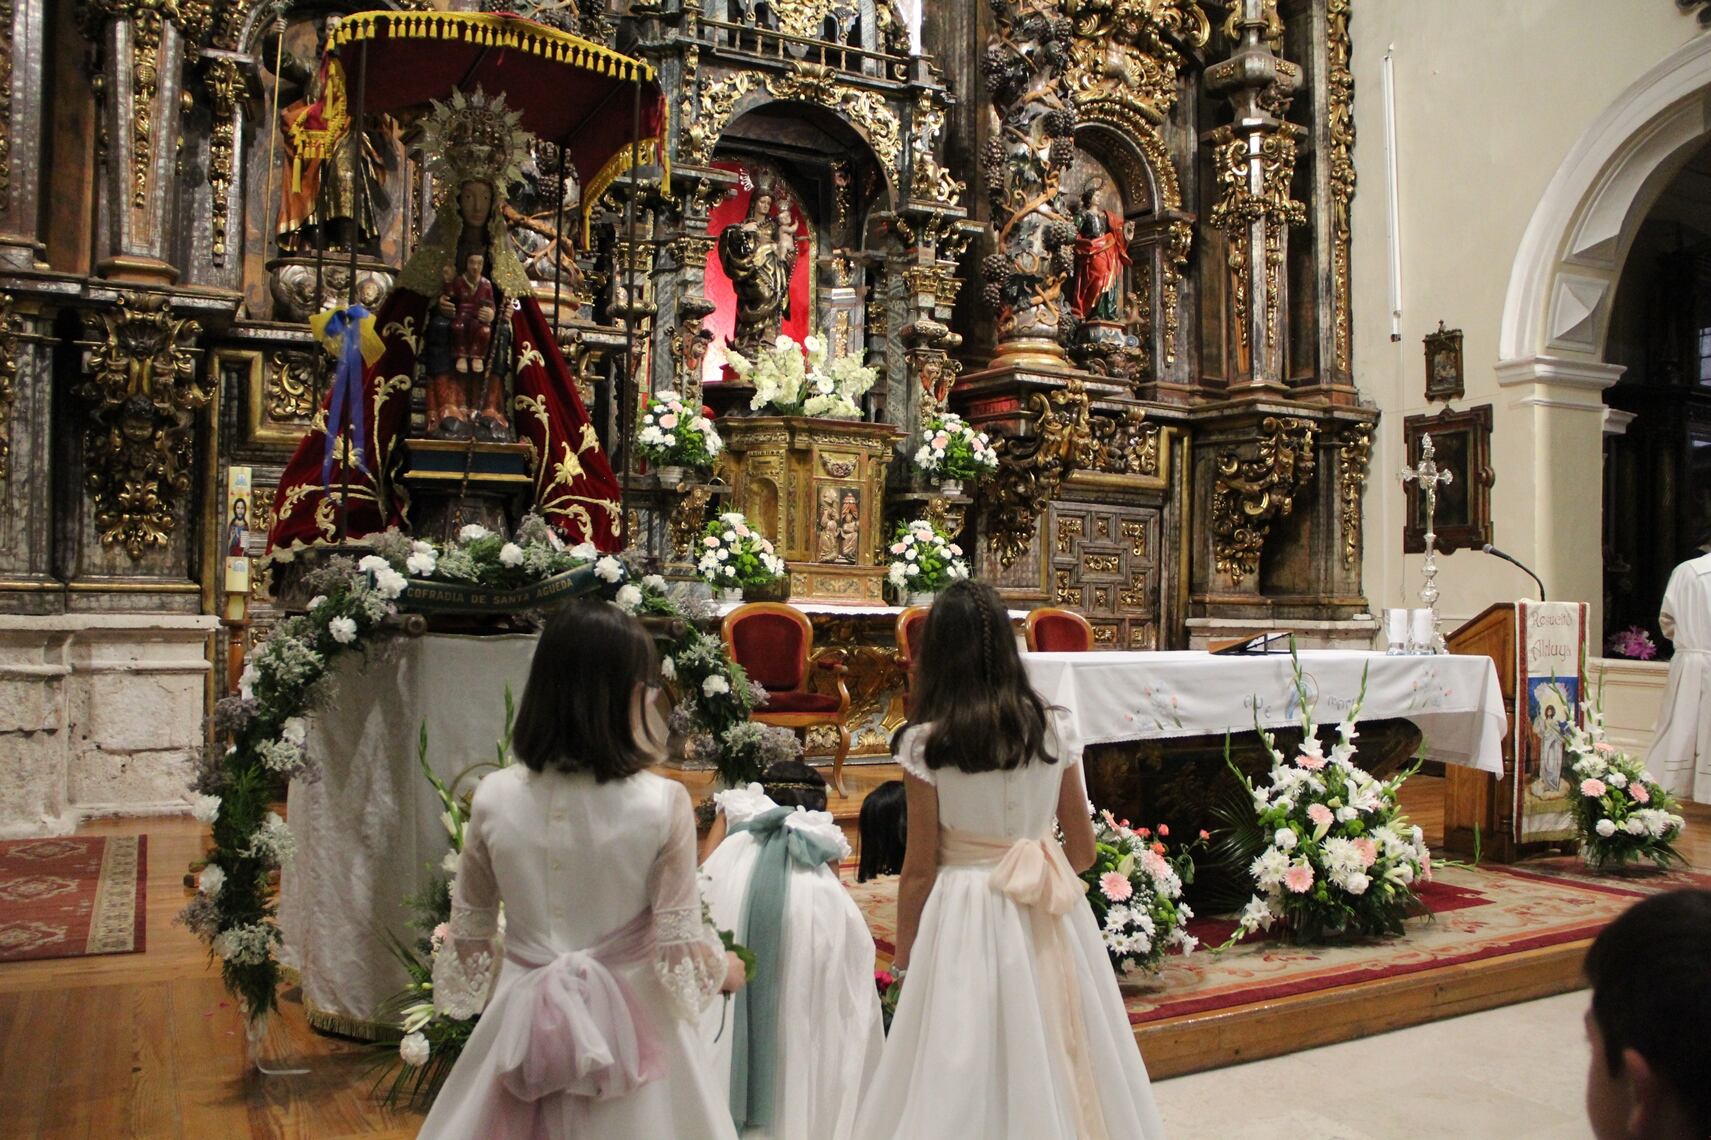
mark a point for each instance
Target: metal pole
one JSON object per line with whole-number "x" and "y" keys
{"x": 558, "y": 245}
{"x": 628, "y": 381}
{"x": 358, "y": 196}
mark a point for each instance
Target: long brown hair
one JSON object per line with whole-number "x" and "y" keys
{"x": 575, "y": 714}
{"x": 970, "y": 685}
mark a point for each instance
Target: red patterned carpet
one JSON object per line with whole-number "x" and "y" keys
{"x": 1478, "y": 913}
{"x": 69, "y": 897}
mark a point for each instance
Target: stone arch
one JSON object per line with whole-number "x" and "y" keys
{"x": 1574, "y": 247}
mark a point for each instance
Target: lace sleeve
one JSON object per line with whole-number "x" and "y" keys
{"x": 467, "y": 961}
{"x": 688, "y": 956}
{"x": 912, "y": 752}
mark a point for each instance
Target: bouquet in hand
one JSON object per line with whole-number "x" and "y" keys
{"x": 890, "y": 986}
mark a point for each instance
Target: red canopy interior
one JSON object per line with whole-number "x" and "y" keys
{"x": 570, "y": 90}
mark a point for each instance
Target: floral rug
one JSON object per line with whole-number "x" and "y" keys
{"x": 69, "y": 897}
{"x": 1477, "y": 913}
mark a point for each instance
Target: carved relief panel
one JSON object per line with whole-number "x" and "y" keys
{"x": 1103, "y": 561}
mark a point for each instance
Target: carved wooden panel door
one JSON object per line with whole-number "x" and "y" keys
{"x": 1103, "y": 563}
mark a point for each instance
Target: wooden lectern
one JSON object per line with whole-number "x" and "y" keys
{"x": 1472, "y": 798}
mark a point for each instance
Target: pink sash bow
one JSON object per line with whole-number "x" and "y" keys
{"x": 1035, "y": 874}
{"x": 571, "y": 1027}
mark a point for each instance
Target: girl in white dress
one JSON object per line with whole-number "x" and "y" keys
{"x": 1010, "y": 1023}
{"x": 808, "y": 1057}
{"x": 605, "y": 963}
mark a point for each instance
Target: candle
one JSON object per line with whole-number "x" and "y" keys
{"x": 1396, "y": 630}
{"x": 1425, "y": 631}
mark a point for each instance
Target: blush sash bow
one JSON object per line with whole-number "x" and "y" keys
{"x": 572, "y": 1027}
{"x": 1035, "y": 874}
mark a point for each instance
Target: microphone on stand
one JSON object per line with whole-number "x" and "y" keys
{"x": 1511, "y": 559}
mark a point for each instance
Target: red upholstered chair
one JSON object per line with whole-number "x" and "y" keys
{"x": 1051, "y": 630}
{"x": 773, "y": 643}
{"x": 910, "y": 623}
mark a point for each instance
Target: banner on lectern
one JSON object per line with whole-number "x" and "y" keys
{"x": 1550, "y": 646}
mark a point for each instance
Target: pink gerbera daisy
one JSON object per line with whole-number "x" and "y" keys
{"x": 1299, "y": 878}
{"x": 1116, "y": 886}
{"x": 1320, "y": 815}
{"x": 1640, "y": 794}
{"x": 1592, "y": 789}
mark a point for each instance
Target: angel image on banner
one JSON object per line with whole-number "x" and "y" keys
{"x": 498, "y": 376}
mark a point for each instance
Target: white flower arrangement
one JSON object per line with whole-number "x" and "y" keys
{"x": 1135, "y": 889}
{"x": 923, "y": 558}
{"x": 670, "y": 433}
{"x": 951, "y": 449}
{"x": 1330, "y": 851}
{"x": 797, "y": 380}
{"x": 733, "y": 554}
{"x": 1621, "y": 812}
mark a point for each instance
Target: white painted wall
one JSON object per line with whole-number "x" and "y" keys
{"x": 1491, "y": 97}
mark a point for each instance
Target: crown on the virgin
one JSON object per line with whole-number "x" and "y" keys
{"x": 475, "y": 137}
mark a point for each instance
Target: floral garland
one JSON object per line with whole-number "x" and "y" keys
{"x": 671, "y": 433}
{"x": 1327, "y": 846}
{"x": 951, "y": 449}
{"x": 734, "y": 554}
{"x": 1135, "y": 889}
{"x": 285, "y": 678}
{"x": 1619, "y": 810}
{"x": 797, "y": 379}
{"x": 924, "y": 558}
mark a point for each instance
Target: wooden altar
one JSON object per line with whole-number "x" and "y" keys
{"x": 816, "y": 487}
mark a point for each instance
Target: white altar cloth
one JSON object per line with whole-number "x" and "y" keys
{"x": 1455, "y": 700}
{"x": 368, "y": 831}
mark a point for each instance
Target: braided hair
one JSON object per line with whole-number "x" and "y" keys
{"x": 971, "y": 687}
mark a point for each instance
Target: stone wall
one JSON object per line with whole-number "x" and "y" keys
{"x": 99, "y": 714}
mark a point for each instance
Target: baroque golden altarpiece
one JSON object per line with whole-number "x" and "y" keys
{"x": 1184, "y": 448}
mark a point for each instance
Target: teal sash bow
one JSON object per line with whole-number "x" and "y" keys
{"x": 754, "y": 1043}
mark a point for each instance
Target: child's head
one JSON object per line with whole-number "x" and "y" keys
{"x": 884, "y": 831}
{"x": 1651, "y": 1010}
{"x": 580, "y": 709}
{"x": 791, "y": 783}
{"x": 970, "y": 684}
{"x": 474, "y": 263}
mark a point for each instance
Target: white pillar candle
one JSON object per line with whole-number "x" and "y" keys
{"x": 1424, "y": 632}
{"x": 1396, "y": 627}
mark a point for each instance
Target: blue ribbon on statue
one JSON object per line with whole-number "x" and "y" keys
{"x": 345, "y": 333}
{"x": 754, "y": 1043}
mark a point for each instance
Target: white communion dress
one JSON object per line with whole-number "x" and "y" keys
{"x": 1681, "y": 740}
{"x": 829, "y": 1028}
{"x": 1010, "y": 1023}
{"x": 605, "y": 967}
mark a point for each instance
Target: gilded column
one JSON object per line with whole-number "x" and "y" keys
{"x": 142, "y": 45}
{"x": 22, "y": 52}
{"x": 1254, "y": 160}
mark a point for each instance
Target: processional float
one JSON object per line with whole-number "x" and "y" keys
{"x": 503, "y": 422}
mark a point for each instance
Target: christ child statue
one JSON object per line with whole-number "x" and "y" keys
{"x": 472, "y": 327}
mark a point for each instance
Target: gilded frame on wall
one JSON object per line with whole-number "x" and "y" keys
{"x": 1463, "y": 443}
{"x": 1444, "y": 377}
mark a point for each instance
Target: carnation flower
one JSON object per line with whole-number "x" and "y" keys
{"x": 414, "y": 1050}
{"x": 421, "y": 563}
{"x": 1357, "y": 883}
{"x": 211, "y": 880}
{"x": 609, "y": 569}
{"x": 510, "y": 555}
{"x": 668, "y": 668}
{"x": 714, "y": 685}
{"x": 372, "y": 564}
{"x": 654, "y": 582}
{"x": 206, "y": 809}
{"x": 1116, "y": 886}
{"x": 1592, "y": 789}
{"x": 474, "y": 532}
{"x": 388, "y": 583}
{"x": 295, "y": 730}
{"x": 1285, "y": 839}
{"x": 584, "y": 551}
{"x": 1605, "y": 827}
{"x": 628, "y": 598}
{"x": 317, "y": 602}
{"x": 343, "y": 630}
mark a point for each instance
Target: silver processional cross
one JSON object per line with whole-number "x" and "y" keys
{"x": 1429, "y": 478}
